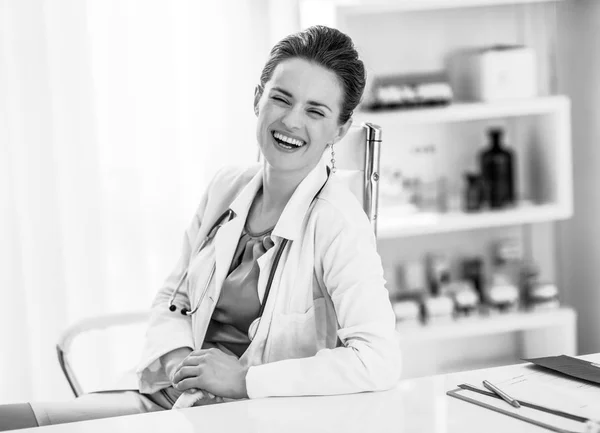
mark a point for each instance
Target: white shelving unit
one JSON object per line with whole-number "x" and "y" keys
{"x": 386, "y": 6}
{"x": 405, "y": 36}
{"x": 469, "y": 111}
{"x": 548, "y": 128}
{"x": 333, "y": 12}
{"x": 390, "y": 226}
{"x": 458, "y": 344}
{"x": 496, "y": 323}
{"x": 552, "y": 111}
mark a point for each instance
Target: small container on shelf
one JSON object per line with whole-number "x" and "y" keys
{"x": 438, "y": 272}
{"x": 407, "y": 311}
{"x": 473, "y": 192}
{"x": 442, "y": 198}
{"x": 414, "y": 277}
{"x": 394, "y": 192}
{"x": 454, "y": 195}
{"x": 502, "y": 294}
{"x": 428, "y": 183}
{"x": 507, "y": 250}
{"x": 438, "y": 309}
{"x": 537, "y": 295}
{"x": 507, "y": 258}
{"x": 472, "y": 270}
{"x": 542, "y": 296}
{"x": 464, "y": 295}
{"x": 412, "y": 288}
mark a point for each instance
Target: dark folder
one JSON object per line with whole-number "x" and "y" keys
{"x": 573, "y": 367}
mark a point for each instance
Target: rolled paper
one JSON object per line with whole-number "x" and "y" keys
{"x": 188, "y": 398}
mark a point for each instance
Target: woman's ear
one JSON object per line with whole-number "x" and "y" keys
{"x": 258, "y": 90}
{"x": 342, "y": 130}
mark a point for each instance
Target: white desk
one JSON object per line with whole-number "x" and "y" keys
{"x": 417, "y": 405}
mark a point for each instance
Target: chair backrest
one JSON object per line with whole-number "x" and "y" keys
{"x": 357, "y": 162}
{"x": 115, "y": 339}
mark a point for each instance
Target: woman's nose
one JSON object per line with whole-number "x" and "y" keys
{"x": 292, "y": 119}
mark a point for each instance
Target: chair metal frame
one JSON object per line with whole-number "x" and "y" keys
{"x": 371, "y": 178}
{"x": 370, "y": 206}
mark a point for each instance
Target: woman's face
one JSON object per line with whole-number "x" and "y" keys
{"x": 298, "y": 115}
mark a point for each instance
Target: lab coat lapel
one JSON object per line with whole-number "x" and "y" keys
{"x": 226, "y": 241}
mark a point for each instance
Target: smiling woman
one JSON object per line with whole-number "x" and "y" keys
{"x": 295, "y": 121}
{"x": 279, "y": 289}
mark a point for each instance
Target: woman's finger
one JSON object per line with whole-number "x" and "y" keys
{"x": 193, "y": 360}
{"x": 189, "y": 383}
{"x": 185, "y": 372}
{"x": 199, "y": 352}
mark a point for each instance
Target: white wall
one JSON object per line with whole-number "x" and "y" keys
{"x": 114, "y": 115}
{"x": 579, "y": 238}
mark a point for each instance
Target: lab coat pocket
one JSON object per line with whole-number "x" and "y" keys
{"x": 298, "y": 335}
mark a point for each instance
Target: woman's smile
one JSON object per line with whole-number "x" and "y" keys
{"x": 287, "y": 142}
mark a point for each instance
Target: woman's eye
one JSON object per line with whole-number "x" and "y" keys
{"x": 277, "y": 98}
{"x": 318, "y": 113}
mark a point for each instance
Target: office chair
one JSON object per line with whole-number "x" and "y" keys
{"x": 357, "y": 162}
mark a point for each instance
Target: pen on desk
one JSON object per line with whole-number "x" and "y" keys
{"x": 507, "y": 398}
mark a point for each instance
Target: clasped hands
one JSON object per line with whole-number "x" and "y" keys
{"x": 212, "y": 371}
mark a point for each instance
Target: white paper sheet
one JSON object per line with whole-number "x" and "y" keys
{"x": 542, "y": 388}
{"x": 552, "y": 390}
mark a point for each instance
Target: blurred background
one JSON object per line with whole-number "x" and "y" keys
{"x": 115, "y": 114}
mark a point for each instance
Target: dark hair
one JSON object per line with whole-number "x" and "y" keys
{"x": 329, "y": 48}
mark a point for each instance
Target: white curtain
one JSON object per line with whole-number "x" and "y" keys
{"x": 114, "y": 114}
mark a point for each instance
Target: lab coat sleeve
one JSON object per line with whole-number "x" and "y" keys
{"x": 369, "y": 359}
{"x": 168, "y": 330}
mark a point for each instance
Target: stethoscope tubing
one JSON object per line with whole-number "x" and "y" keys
{"x": 211, "y": 234}
{"x": 271, "y": 276}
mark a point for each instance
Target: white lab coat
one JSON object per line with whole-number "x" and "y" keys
{"x": 328, "y": 326}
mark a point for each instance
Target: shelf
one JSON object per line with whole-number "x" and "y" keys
{"x": 485, "y": 325}
{"x": 390, "y": 226}
{"x": 460, "y": 111}
{"x": 481, "y": 363}
{"x": 380, "y": 6}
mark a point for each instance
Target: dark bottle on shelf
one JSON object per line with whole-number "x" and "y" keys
{"x": 473, "y": 192}
{"x": 497, "y": 170}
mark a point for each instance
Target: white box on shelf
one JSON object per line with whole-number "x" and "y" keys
{"x": 494, "y": 74}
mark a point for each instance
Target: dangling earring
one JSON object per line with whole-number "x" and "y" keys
{"x": 332, "y": 158}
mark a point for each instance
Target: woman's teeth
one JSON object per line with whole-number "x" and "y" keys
{"x": 288, "y": 142}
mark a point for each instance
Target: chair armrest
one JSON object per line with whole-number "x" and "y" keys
{"x": 88, "y": 324}
{"x": 100, "y": 322}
